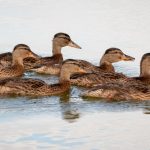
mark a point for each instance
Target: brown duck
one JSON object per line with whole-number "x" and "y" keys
{"x": 52, "y": 65}
{"x": 46, "y": 65}
{"x": 35, "y": 87}
{"x": 103, "y": 74}
{"x": 136, "y": 88}
{"x": 20, "y": 52}
{"x": 29, "y": 62}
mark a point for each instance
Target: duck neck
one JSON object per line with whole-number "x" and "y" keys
{"x": 106, "y": 65}
{"x": 105, "y": 59}
{"x": 17, "y": 62}
{"x": 64, "y": 76}
{"x": 64, "y": 80}
{"x": 17, "y": 67}
{"x": 58, "y": 58}
{"x": 56, "y": 49}
{"x": 144, "y": 70}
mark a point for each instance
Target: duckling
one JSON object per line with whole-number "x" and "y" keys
{"x": 135, "y": 88}
{"x": 35, "y": 87}
{"x": 110, "y": 56}
{"x": 104, "y": 73}
{"x": 20, "y": 52}
{"x": 52, "y": 65}
{"x": 6, "y": 58}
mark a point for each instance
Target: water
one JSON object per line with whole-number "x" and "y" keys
{"x": 55, "y": 123}
{"x": 68, "y": 121}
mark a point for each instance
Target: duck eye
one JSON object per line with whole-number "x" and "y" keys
{"x": 115, "y": 52}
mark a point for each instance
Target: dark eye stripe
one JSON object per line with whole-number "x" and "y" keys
{"x": 64, "y": 38}
{"x": 25, "y": 48}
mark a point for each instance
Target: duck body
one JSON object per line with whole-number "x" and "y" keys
{"x": 5, "y": 59}
{"x": 55, "y": 59}
{"x": 135, "y": 88}
{"x": 93, "y": 79}
{"x": 35, "y": 87}
{"x": 120, "y": 91}
{"x": 11, "y": 71}
{"x": 31, "y": 87}
{"x": 104, "y": 73}
{"x": 49, "y": 65}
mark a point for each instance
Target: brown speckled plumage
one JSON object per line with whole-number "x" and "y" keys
{"x": 120, "y": 91}
{"x": 5, "y": 59}
{"x": 17, "y": 68}
{"x": 110, "y": 56}
{"x": 31, "y": 87}
{"x": 60, "y": 40}
{"x": 35, "y": 87}
{"x": 136, "y": 88}
{"x": 30, "y": 62}
{"x": 92, "y": 79}
{"x": 103, "y": 74}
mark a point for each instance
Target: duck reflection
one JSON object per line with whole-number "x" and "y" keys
{"x": 146, "y": 109}
{"x": 69, "y": 109}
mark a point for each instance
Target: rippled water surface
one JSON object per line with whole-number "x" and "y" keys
{"x": 68, "y": 121}
{"x": 61, "y": 123}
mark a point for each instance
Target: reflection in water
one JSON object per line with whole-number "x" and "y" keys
{"x": 71, "y": 115}
{"x": 146, "y": 108}
{"x": 69, "y": 112}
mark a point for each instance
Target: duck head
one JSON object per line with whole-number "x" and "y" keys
{"x": 61, "y": 40}
{"x": 113, "y": 55}
{"x": 68, "y": 69}
{"x": 145, "y": 66}
{"x": 22, "y": 51}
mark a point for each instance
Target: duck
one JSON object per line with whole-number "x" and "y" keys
{"x": 51, "y": 65}
{"x": 20, "y": 52}
{"x": 104, "y": 73}
{"x": 36, "y": 87}
{"x": 133, "y": 88}
{"x": 45, "y": 65}
{"x": 29, "y": 62}
{"x": 110, "y": 56}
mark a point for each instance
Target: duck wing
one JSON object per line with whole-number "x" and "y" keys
{"x": 5, "y": 59}
{"x": 92, "y": 79}
{"x": 53, "y": 69}
{"x": 21, "y": 86}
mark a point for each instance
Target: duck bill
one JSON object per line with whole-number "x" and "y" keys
{"x": 73, "y": 44}
{"x": 128, "y": 58}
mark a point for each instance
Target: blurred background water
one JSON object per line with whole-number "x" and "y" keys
{"x": 70, "y": 122}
